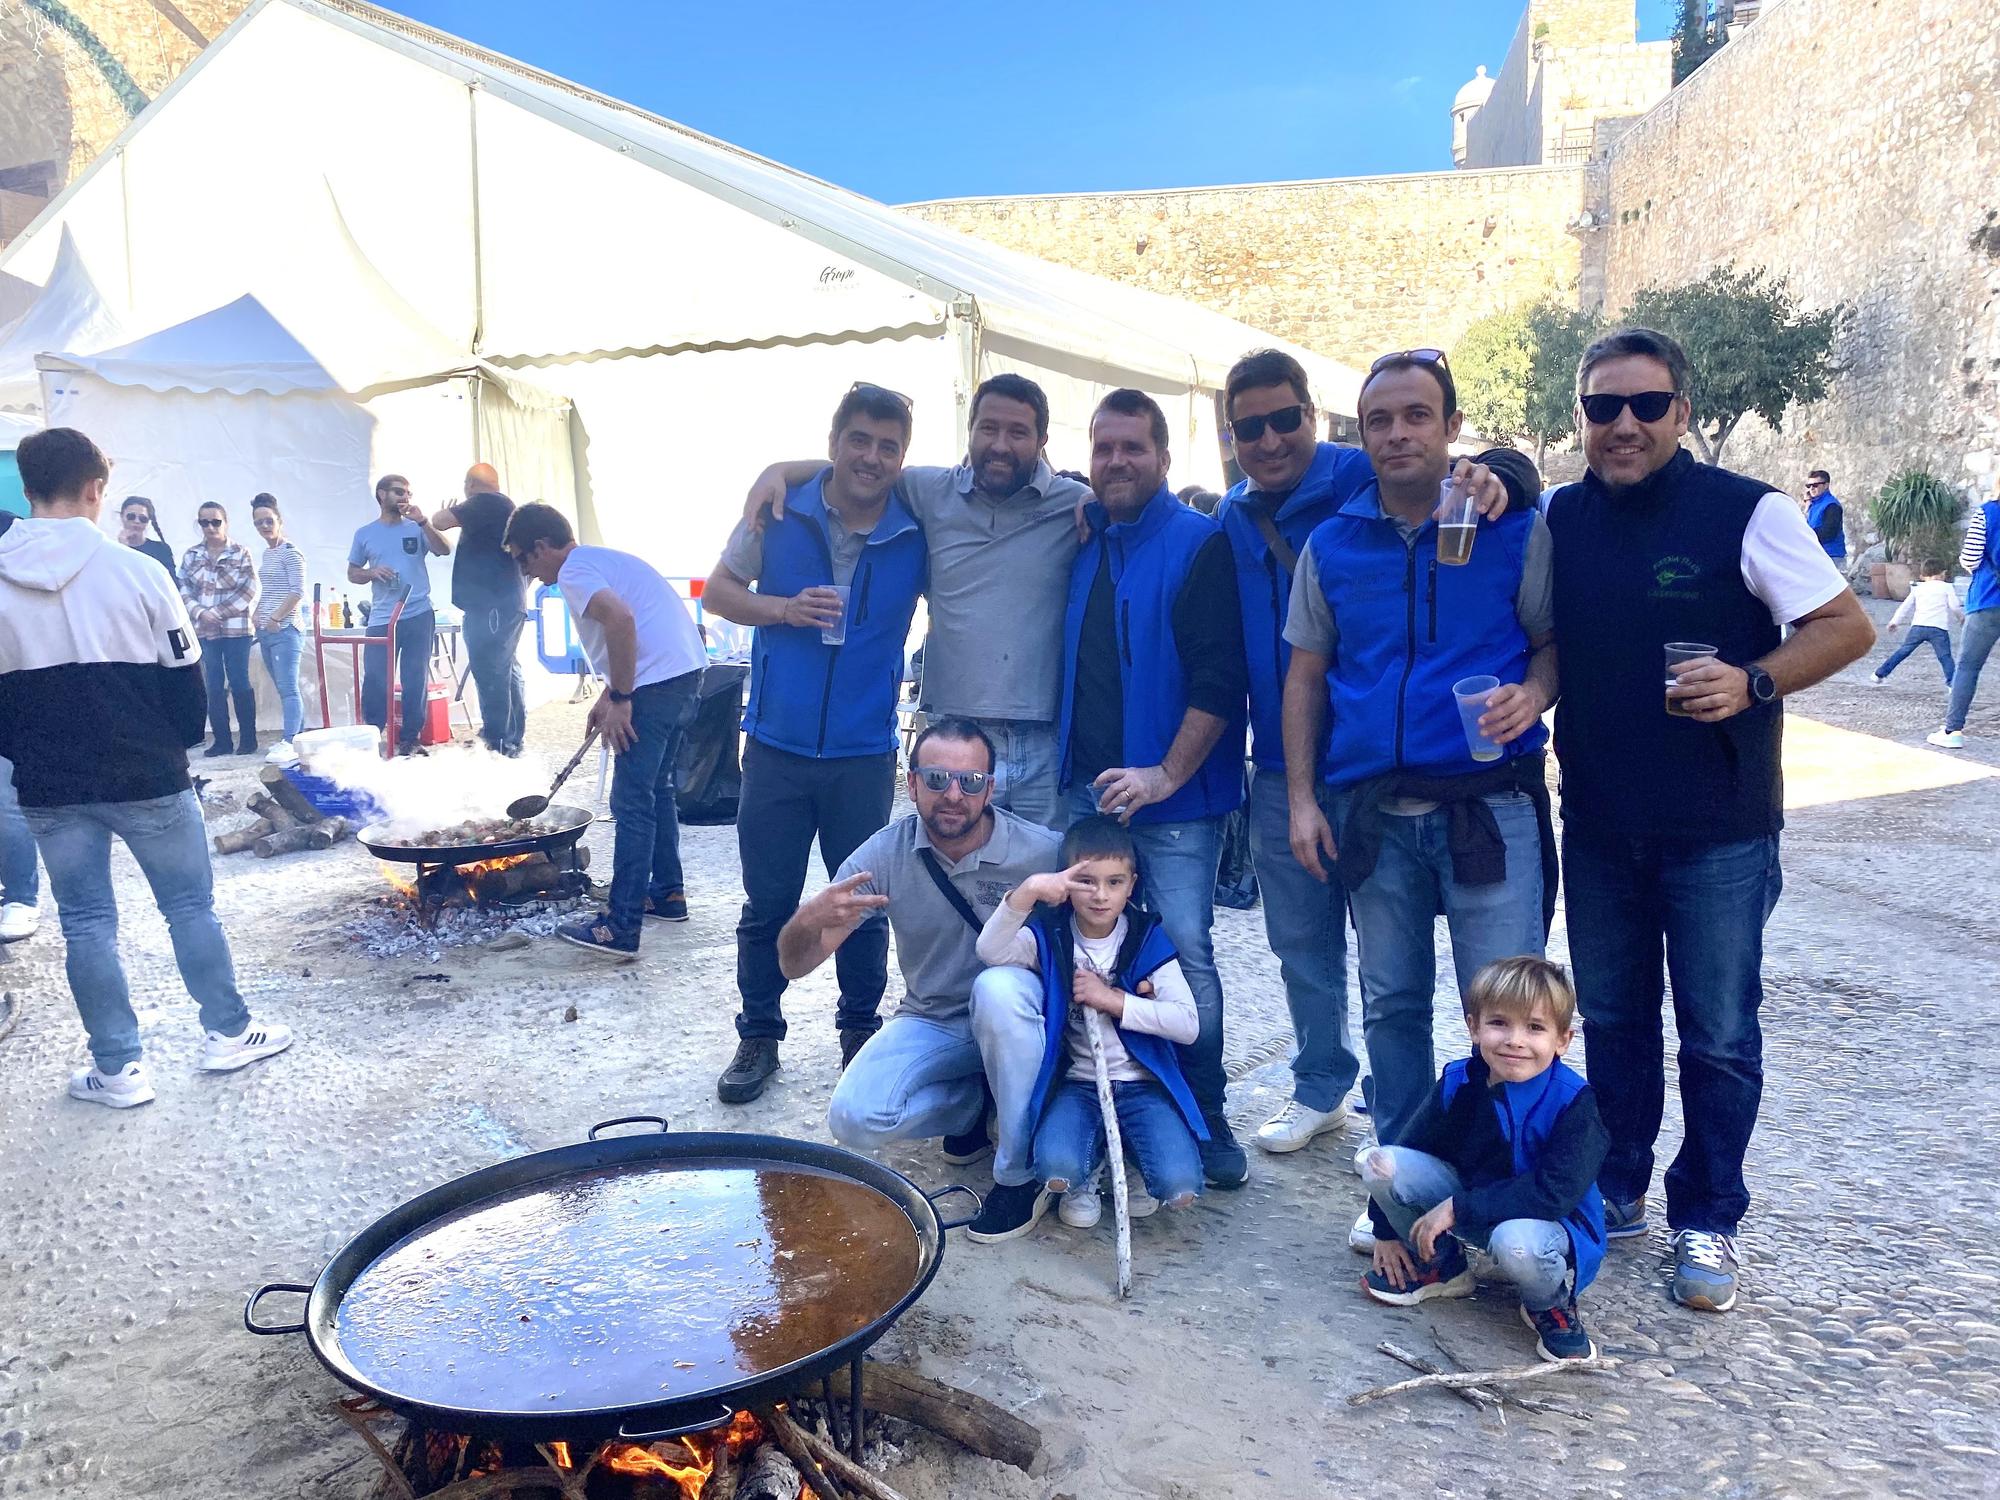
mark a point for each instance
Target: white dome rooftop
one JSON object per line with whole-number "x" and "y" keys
{"x": 1475, "y": 93}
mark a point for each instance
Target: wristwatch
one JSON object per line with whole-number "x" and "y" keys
{"x": 1762, "y": 688}
{"x": 617, "y": 697}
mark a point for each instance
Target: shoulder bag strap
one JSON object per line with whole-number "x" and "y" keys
{"x": 950, "y": 892}
{"x": 1273, "y": 538}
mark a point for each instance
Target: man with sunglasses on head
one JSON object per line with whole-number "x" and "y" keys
{"x": 1671, "y": 788}
{"x": 1391, "y": 804}
{"x": 1001, "y": 528}
{"x": 964, "y": 1032}
{"x": 819, "y": 760}
{"x": 1291, "y": 483}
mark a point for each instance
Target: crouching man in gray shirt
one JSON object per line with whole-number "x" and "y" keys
{"x": 962, "y": 1029}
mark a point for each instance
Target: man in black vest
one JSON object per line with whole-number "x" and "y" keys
{"x": 1671, "y": 787}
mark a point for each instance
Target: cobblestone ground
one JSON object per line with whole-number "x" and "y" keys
{"x": 1864, "y": 1358}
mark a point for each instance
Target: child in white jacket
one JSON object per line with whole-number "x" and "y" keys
{"x": 1930, "y": 611}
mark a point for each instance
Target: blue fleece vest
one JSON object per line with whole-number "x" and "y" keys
{"x": 824, "y": 701}
{"x": 1265, "y": 587}
{"x": 1816, "y": 513}
{"x": 1528, "y": 1113}
{"x": 1146, "y": 948}
{"x": 1150, "y": 561}
{"x": 1984, "y": 590}
{"x": 1410, "y": 628}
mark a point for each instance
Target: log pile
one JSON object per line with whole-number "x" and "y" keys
{"x": 285, "y": 823}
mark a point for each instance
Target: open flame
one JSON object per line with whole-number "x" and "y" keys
{"x": 687, "y": 1462}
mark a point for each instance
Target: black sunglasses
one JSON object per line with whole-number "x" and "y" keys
{"x": 1647, "y": 406}
{"x": 1286, "y": 419}
{"x": 972, "y": 783}
{"x": 1421, "y": 356}
{"x": 205, "y": 523}
{"x": 869, "y": 388}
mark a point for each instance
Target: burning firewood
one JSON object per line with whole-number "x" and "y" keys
{"x": 769, "y": 1475}
{"x": 807, "y": 1448}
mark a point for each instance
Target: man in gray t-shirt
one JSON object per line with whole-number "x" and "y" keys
{"x": 962, "y": 1029}
{"x": 393, "y": 553}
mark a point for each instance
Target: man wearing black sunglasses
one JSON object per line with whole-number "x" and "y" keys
{"x": 1672, "y": 798}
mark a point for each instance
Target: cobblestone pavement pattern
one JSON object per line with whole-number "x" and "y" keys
{"x": 1864, "y": 1358}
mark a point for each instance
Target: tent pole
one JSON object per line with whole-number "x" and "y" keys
{"x": 478, "y": 254}
{"x": 965, "y": 323}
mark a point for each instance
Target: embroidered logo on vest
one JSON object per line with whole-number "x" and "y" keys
{"x": 1674, "y": 578}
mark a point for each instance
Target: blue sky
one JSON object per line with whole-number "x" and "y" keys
{"x": 903, "y": 101}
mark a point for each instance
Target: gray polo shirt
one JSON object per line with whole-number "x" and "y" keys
{"x": 934, "y": 944}
{"x": 743, "y": 553}
{"x": 999, "y": 583}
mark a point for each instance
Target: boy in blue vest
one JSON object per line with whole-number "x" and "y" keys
{"x": 819, "y": 761}
{"x": 1103, "y": 958}
{"x": 1503, "y": 1154}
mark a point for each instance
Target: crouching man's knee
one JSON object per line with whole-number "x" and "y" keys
{"x": 1006, "y": 1001}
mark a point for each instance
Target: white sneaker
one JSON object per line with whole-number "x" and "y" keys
{"x": 1080, "y": 1208}
{"x": 1140, "y": 1204}
{"x": 125, "y": 1089}
{"x": 225, "y": 1054}
{"x": 1874, "y": 681}
{"x": 284, "y": 753}
{"x": 1947, "y": 739}
{"x": 1361, "y": 1238}
{"x": 18, "y": 920}
{"x": 1296, "y": 1124}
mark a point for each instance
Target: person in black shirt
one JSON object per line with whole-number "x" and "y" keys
{"x": 487, "y": 587}
{"x": 134, "y": 516}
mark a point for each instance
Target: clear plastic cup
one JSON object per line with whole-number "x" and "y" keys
{"x": 1472, "y": 693}
{"x": 1679, "y": 652}
{"x": 836, "y": 633}
{"x": 1458, "y": 522}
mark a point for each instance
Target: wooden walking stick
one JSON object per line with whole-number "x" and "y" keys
{"x": 1114, "y": 1153}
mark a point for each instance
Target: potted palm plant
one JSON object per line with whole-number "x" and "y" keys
{"x": 1917, "y": 514}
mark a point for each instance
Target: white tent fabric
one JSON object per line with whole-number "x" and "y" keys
{"x": 69, "y": 313}
{"x": 239, "y": 349}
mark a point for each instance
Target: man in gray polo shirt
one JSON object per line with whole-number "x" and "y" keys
{"x": 962, "y": 1029}
{"x": 1001, "y": 528}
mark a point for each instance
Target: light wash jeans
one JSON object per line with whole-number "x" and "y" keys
{"x": 1395, "y": 913}
{"x": 920, "y": 1077}
{"x": 1534, "y": 1254}
{"x": 170, "y": 843}
{"x": 1069, "y": 1140}
{"x": 1306, "y": 922}
{"x": 1975, "y": 644}
{"x": 280, "y": 650}
{"x": 1025, "y": 769}
{"x": 20, "y": 879}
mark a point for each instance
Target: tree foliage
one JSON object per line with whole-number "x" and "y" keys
{"x": 1491, "y": 365}
{"x": 1698, "y": 36}
{"x": 1558, "y": 333}
{"x": 1752, "y": 348}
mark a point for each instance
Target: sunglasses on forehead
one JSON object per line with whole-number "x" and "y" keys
{"x": 1421, "y": 356}
{"x": 972, "y": 783}
{"x": 869, "y": 388}
{"x": 1286, "y": 419}
{"x": 1647, "y": 406}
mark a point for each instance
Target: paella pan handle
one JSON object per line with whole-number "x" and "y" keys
{"x": 659, "y": 1120}
{"x": 259, "y": 1295}
{"x": 978, "y": 1204}
{"x": 720, "y": 1416}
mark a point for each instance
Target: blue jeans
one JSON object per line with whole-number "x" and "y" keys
{"x": 921, "y": 1077}
{"x": 1534, "y": 1254}
{"x": 491, "y": 639}
{"x": 1177, "y": 863}
{"x": 1395, "y": 913}
{"x": 1920, "y": 635}
{"x": 1982, "y": 629}
{"x": 1025, "y": 769}
{"x": 646, "y": 855}
{"x": 1306, "y": 922}
{"x": 20, "y": 880}
{"x": 1631, "y": 902}
{"x": 280, "y": 650}
{"x": 414, "y": 635}
{"x": 1069, "y": 1141}
{"x": 170, "y": 843}
{"x": 227, "y": 658}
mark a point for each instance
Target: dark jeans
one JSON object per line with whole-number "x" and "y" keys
{"x": 1921, "y": 635}
{"x": 646, "y": 856}
{"x": 1703, "y": 907}
{"x": 786, "y": 801}
{"x": 414, "y": 634}
{"x": 491, "y": 636}
{"x": 229, "y": 657}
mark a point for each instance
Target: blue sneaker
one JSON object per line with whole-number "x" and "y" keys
{"x": 1704, "y": 1270}
{"x": 1624, "y": 1221}
{"x": 1559, "y": 1333}
{"x": 1445, "y": 1275}
{"x": 598, "y": 933}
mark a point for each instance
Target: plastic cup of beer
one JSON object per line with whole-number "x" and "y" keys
{"x": 1472, "y": 693}
{"x": 1679, "y": 653}
{"x": 836, "y": 633}
{"x": 1458, "y": 519}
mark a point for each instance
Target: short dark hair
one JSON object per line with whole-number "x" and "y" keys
{"x": 537, "y": 522}
{"x": 265, "y": 501}
{"x": 1259, "y": 368}
{"x": 56, "y": 464}
{"x": 383, "y": 483}
{"x": 962, "y": 730}
{"x": 1821, "y": 475}
{"x": 1437, "y": 369}
{"x": 1649, "y": 343}
{"x": 1098, "y": 838}
{"x": 214, "y": 505}
{"x": 1130, "y": 403}
{"x": 1012, "y": 387}
{"x": 874, "y": 401}
{"x": 1196, "y": 498}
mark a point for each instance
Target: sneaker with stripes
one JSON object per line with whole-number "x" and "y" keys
{"x": 124, "y": 1089}
{"x": 225, "y": 1054}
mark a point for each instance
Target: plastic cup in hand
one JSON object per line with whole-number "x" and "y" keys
{"x": 1458, "y": 520}
{"x": 1472, "y": 693}
{"x": 836, "y": 633}
{"x": 1678, "y": 654}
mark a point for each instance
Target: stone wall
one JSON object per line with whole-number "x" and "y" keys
{"x": 1569, "y": 66}
{"x": 1883, "y": 194}
{"x": 1349, "y": 268}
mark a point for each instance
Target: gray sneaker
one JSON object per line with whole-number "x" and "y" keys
{"x": 1704, "y": 1270}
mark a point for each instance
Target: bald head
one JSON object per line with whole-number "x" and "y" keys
{"x": 482, "y": 479}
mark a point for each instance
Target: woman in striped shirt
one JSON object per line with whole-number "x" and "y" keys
{"x": 219, "y": 583}
{"x": 281, "y": 581}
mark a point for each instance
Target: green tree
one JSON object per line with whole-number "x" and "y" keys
{"x": 1491, "y": 366}
{"x": 1558, "y": 332}
{"x": 1752, "y": 348}
{"x": 1698, "y": 36}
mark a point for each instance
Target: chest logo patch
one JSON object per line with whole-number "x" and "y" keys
{"x": 1675, "y": 577}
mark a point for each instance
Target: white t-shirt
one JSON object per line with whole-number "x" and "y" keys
{"x": 1784, "y": 564}
{"x": 669, "y": 644}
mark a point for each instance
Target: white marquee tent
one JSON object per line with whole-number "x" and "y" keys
{"x": 704, "y": 307}
{"x": 69, "y": 313}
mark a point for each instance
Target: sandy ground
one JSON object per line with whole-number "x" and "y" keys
{"x": 1864, "y": 1359}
